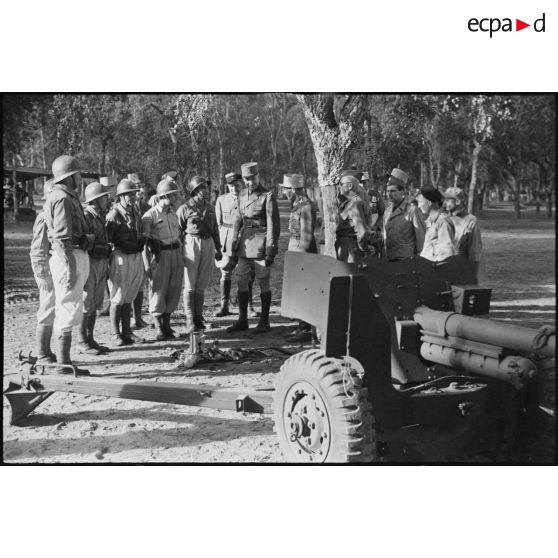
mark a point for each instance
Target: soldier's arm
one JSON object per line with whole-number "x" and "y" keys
{"x": 356, "y": 213}
{"x": 446, "y": 239}
{"x": 273, "y": 225}
{"x": 61, "y": 233}
{"x": 306, "y": 227}
{"x": 39, "y": 252}
{"x": 475, "y": 243}
{"x": 146, "y": 222}
{"x": 218, "y": 212}
{"x": 214, "y": 230}
{"x": 419, "y": 225}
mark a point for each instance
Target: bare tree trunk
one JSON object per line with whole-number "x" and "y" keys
{"x": 474, "y": 171}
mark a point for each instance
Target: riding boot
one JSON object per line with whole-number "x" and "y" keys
{"x": 115, "y": 321}
{"x": 199, "y": 322}
{"x": 225, "y": 298}
{"x": 127, "y": 334}
{"x": 91, "y": 339}
{"x": 159, "y": 322}
{"x": 106, "y": 308}
{"x": 189, "y": 311}
{"x": 165, "y": 323}
{"x": 251, "y": 310}
{"x": 43, "y": 336}
{"x": 263, "y": 325}
{"x": 84, "y": 345}
{"x": 242, "y": 322}
{"x": 138, "y": 303}
{"x": 64, "y": 343}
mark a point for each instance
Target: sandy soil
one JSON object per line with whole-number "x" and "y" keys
{"x": 519, "y": 266}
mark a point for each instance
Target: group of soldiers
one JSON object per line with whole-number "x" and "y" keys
{"x": 79, "y": 251}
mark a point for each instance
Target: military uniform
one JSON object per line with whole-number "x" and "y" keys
{"x": 439, "y": 240}
{"x": 404, "y": 229}
{"x": 40, "y": 256}
{"x": 227, "y": 214}
{"x": 352, "y": 235}
{"x": 302, "y": 223}
{"x": 468, "y": 241}
{"x": 160, "y": 227}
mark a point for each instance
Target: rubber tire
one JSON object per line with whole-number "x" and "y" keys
{"x": 351, "y": 421}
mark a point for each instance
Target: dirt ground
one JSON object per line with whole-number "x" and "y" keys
{"x": 519, "y": 265}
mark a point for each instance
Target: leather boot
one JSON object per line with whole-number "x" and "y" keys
{"x": 115, "y": 321}
{"x": 242, "y": 323}
{"x": 251, "y": 310}
{"x": 64, "y": 342}
{"x": 43, "y": 336}
{"x": 106, "y": 308}
{"x": 225, "y": 298}
{"x": 90, "y": 329}
{"x": 199, "y": 322}
{"x": 84, "y": 346}
{"x": 127, "y": 335}
{"x": 166, "y": 326}
{"x": 189, "y": 311}
{"x": 263, "y": 325}
{"x": 138, "y": 303}
{"x": 159, "y": 322}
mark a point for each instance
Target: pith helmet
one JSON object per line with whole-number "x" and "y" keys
{"x": 93, "y": 191}
{"x": 398, "y": 177}
{"x": 232, "y": 177}
{"x": 108, "y": 181}
{"x": 166, "y": 187}
{"x": 196, "y": 182}
{"x": 249, "y": 169}
{"x": 126, "y": 186}
{"x": 456, "y": 194}
{"x": 293, "y": 181}
{"x": 135, "y": 178}
{"x": 64, "y": 166}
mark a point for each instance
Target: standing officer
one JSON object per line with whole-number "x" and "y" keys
{"x": 162, "y": 258}
{"x": 257, "y": 246}
{"x": 126, "y": 265}
{"x": 352, "y": 241}
{"x": 439, "y": 240}
{"x": 40, "y": 256}
{"x": 96, "y": 199}
{"x": 202, "y": 247}
{"x": 404, "y": 226}
{"x": 302, "y": 223}
{"x": 69, "y": 264}
{"x": 468, "y": 240}
{"x": 109, "y": 183}
{"x": 228, "y": 218}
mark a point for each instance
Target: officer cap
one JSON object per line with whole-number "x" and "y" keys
{"x": 432, "y": 194}
{"x": 398, "y": 178}
{"x": 93, "y": 191}
{"x": 249, "y": 169}
{"x": 232, "y": 177}
{"x": 108, "y": 181}
{"x": 293, "y": 181}
{"x": 64, "y": 166}
{"x": 126, "y": 186}
{"x": 196, "y": 182}
{"x": 135, "y": 178}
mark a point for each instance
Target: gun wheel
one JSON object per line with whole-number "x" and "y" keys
{"x": 322, "y": 415}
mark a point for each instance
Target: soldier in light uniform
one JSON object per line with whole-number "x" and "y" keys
{"x": 96, "y": 199}
{"x": 257, "y": 245}
{"x": 439, "y": 240}
{"x": 352, "y": 242}
{"x": 403, "y": 225}
{"x": 126, "y": 264}
{"x": 40, "y": 256}
{"x": 228, "y": 218}
{"x": 468, "y": 241}
{"x": 69, "y": 264}
{"x": 302, "y": 223}
{"x": 202, "y": 247}
{"x": 162, "y": 258}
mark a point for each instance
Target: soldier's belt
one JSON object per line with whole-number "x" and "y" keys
{"x": 202, "y": 235}
{"x": 226, "y": 225}
{"x": 340, "y": 236}
{"x": 171, "y": 246}
{"x": 254, "y": 223}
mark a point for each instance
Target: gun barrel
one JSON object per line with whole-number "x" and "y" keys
{"x": 521, "y": 339}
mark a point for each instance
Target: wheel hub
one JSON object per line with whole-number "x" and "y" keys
{"x": 307, "y": 422}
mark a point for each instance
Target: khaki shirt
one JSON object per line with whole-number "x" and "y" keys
{"x": 439, "y": 241}
{"x": 40, "y": 248}
{"x": 65, "y": 219}
{"x": 199, "y": 219}
{"x": 161, "y": 225}
{"x": 96, "y": 224}
{"x": 467, "y": 236}
{"x": 229, "y": 220}
{"x": 404, "y": 228}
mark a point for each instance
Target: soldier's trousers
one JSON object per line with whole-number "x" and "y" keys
{"x": 125, "y": 277}
{"x": 249, "y": 269}
{"x": 347, "y": 250}
{"x": 166, "y": 282}
{"x": 69, "y": 301}
{"x": 45, "y": 314}
{"x": 200, "y": 262}
{"x": 225, "y": 275}
{"x": 94, "y": 289}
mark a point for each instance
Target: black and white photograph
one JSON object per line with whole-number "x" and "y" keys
{"x": 275, "y": 278}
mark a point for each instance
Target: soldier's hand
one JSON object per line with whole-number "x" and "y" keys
{"x": 269, "y": 261}
{"x": 218, "y": 256}
{"x": 44, "y": 284}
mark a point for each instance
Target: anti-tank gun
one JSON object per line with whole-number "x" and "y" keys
{"x": 405, "y": 369}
